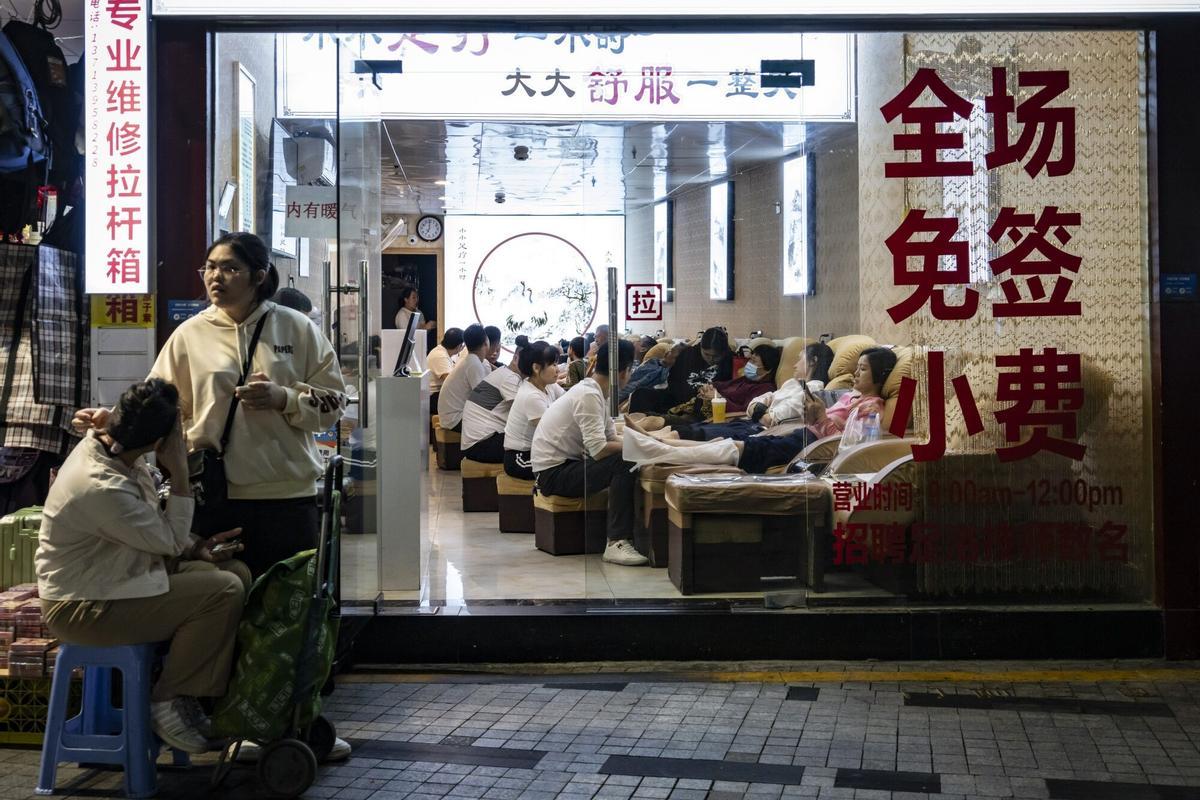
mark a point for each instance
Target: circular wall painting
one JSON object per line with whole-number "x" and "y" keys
{"x": 536, "y": 284}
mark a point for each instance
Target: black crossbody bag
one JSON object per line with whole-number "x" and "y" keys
{"x": 206, "y": 468}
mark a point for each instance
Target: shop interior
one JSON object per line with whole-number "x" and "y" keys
{"x": 433, "y": 203}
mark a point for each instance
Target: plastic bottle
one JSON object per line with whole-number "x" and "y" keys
{"x": 871, "y": 432}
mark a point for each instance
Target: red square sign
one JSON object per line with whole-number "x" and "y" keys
{"x": 643, "y": 302}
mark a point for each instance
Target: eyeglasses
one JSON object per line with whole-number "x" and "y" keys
{"x": 227, "y": 270}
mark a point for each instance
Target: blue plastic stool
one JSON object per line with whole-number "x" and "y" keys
{"x": 101, "y": 734}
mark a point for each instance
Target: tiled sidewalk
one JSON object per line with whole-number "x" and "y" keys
{"x": 618, "y": 738}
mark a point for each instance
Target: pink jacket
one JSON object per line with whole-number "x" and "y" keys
{"x": 838, "y": 415}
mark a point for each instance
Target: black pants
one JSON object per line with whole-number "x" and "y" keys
{"x": 763, "y": 452}
{"x": 272, "y": 530}
{"x": 489, "y": 451}
{"x": 433, "y": 398}
{"x": 739, "y": 430}
{"x": 652, "y": 400}
{"x": 518, "y": 464}
{"x": 583, "y": 478}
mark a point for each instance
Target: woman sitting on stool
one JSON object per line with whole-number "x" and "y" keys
{"x": 115, "y": 570}
{"x": 538, "y": 365}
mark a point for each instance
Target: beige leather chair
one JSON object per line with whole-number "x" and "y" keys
{"x": 846, "y": 350}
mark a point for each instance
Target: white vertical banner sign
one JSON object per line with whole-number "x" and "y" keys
{"x": 117, "y": 58}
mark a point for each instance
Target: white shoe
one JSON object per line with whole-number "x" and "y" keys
{"x": 623, "y": 552}
{"x": 172, "y": 722}
{"x": 250, "y": 752}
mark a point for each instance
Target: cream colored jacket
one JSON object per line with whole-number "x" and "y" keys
{"x": 103, "y": 536}
{"x": 271, "y": 454}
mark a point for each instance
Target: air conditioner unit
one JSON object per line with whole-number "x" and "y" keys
{"x": 310, "y": 160}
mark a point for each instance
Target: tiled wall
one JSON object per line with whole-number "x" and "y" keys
{"x": 758, "y": 302}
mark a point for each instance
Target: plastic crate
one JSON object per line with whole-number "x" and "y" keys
{"x": 24, "y": 703}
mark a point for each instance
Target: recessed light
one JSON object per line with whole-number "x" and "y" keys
{"x": 439, "y": 183}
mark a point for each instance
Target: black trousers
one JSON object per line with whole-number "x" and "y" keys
{"x": 489, "y": 451}
{"x": 518, "y": 464}
{"x": 272, "y": 530}
{"x": 584, "y": 478}
{"x": 652, "y": 400}
{"x": 763, "y": 452}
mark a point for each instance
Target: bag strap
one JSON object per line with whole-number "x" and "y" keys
{"x": 233, "y": 404}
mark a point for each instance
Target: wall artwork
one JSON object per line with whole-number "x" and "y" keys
{"x": 798, "y": 225}
{"x": 663, "y": 246}
{"x": 720, "y": 247}
{"x": 544, "y": 277}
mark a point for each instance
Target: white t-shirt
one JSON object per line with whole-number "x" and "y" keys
{"x": 440, "y": 363}
{"x": 574, "y": 426}
{"x": 787, "y": 402}
{"x": 465, "y": 376}
{"x": 402, "y": 319}
{"x": 527, "y": 410}
{"x": 486, "y": 410}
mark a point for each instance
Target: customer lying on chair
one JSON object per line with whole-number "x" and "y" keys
{"x": 757, "y": 454}
{"x": 699, "y": 365}
{"x": 758, "y": 379}
{"x": 486, "y": 411}
{"x": 113, "y": 569}
{"x": 810, "y": 374}
{"x": 576, "y": 452}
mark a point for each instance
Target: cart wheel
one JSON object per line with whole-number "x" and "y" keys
{"x": 320, "y": 737}
{"x": 287, "y": 768}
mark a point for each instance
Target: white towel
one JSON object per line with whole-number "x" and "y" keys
{"x": 641, "y": 449}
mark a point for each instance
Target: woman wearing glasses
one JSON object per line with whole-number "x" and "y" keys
{"x": 292, "y": 390}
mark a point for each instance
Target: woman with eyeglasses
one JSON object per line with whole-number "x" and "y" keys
{"x": 292, "y": 390}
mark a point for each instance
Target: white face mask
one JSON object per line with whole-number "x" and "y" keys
{"x": 750, "y": 371}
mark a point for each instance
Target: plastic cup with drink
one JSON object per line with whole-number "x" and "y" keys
{"x": 718, "y": 407}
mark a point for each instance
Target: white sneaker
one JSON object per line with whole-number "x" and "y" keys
{"x": 623, "y": 552}
{"x": 171, "y": 720}
{"x": 250, "y": 752}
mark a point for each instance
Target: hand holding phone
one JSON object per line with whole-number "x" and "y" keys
{"x": 226, "y": 547}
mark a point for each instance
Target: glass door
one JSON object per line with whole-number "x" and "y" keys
{"x": 351, "y": 273}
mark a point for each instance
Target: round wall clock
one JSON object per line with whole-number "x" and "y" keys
{"x": 429, "y": 228}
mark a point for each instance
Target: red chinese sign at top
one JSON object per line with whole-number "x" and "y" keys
{"x": 116, "y": 88}
{"x": 1036, "y": 267}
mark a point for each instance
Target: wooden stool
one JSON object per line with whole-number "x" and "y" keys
{"x": 449, "y": 447}
{"x": 515, "y": 498}
{"x": 728, "y": 533}
{"x": 568, "y": 526}
{"x": 479, "y": 485}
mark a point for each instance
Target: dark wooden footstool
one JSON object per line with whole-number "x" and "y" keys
{"x": 479, "y": 485}
{"x": 515, "y": 499}
{"x": 568, "y": 526}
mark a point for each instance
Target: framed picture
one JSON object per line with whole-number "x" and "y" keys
{"x": 244, "y": 149}
{"x": 799, "y": 225}
{"x": 280, "y": 180}
{"x": 664, "y": 247}
{"x": 720, "y": 242}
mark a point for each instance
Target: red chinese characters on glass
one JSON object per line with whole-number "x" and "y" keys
{"x": 1046, "y": 392}
{"x": 929, "y": 279}
{"x": 1041, "y": 122}
{"x": 1035, "y": 255}
{"x": 927, "y": 141}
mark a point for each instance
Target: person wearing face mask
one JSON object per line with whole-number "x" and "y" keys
{"x": 757, "y": 454}
{"x": 758, "y": 379}
{"x": 709, "y": 360}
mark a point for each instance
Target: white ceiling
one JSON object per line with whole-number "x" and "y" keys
{"x": 573, "y": 168}
{"x": 68, "y": 34}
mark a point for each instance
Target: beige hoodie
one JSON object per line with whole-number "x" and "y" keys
{"x": 271, "y": 454}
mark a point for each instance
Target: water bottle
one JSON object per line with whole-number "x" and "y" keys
{"x": 871, "y": 432}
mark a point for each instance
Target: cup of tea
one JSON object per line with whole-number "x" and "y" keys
{"x": 718, "y": 405}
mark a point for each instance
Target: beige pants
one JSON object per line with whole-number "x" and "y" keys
{"x": 199, "y": 614}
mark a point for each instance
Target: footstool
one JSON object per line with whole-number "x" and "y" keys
{"x": 515, "y": 499}
{"x": 652, "y": 504}
{"x": 568, "y": 526}
{"x": 479, "y": 485}
{"x": 728, "y": 532}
